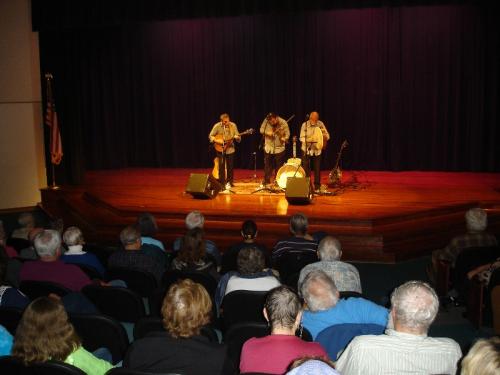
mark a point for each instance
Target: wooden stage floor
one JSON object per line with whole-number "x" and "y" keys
{"x": 382, "y": 217}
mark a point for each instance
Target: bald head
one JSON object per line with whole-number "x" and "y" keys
{"x": 314, "y": 116}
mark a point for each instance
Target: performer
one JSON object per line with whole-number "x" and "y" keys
{"x": 222, "y": 135}
{"x": 313, "y": 135}
{"x": 276, "y": 134}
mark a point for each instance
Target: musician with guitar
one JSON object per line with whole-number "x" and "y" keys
{"x": 222, "y": 136}
{"x": 314, "y": 136}
{"x": 276, "y": 133}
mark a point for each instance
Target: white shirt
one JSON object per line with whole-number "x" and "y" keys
{"x": 315, "y": 133}
{"x": 399, "y": 353}
{"x": 260, "y": 284}
{"x": 75, "y": 250}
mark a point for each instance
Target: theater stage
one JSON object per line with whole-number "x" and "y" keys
{"x": 378, "y": 216}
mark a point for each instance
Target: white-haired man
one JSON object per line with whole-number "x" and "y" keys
{"x": 195, "y": 219}
{"x": 476, "y": 220}
{"x": 345, "y": 275}
{"x": 325, "y": 309}
{"x": 406, "y": 349}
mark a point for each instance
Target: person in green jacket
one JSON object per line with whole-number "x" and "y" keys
{"x": 45, "y": 333}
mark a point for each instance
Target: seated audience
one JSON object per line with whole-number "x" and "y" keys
{"x": 30, "y": 252}
{"x": 300, "y": 241}
{"x": 132, "y": 256}
{"x": 192, "y": 255}
{"x": 476, "y": 221}
{"x": 273, "y": 354}
{"x": 325, "y": 309}
{"x": 187, "y": 307}
{"x": 27, "y": 222}
{"x": 45, "y": 333}
{"x": 9, "y": 250}
{"x": 251, "y": 275}
{"x": 195, "y": 219}
{"x": 312, "y": 366}
{"x": 483, "y": 358}
{"x": 49, "y": 267}
{"x": 406, "y": 349}
{"x": 6, "y": 341}
{"x": 73, "y": 238}
{"x": 148, "y": 228}
{"x": 249, "y": 234}
{"x": 345, "y": 275}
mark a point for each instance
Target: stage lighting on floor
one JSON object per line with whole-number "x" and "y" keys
{"x": 298, "y": 190}
{"x": 203, "y": 186}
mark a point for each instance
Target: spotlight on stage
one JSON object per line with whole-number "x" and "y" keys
{"x": 298, "y": 190}
{"x": 203, "y": 186}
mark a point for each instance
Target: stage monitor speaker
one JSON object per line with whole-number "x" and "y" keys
{"x": 298, "y": 190}
{"x": 203, "y": 186}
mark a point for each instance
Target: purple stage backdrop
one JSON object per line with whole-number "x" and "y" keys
{"x": 410, "y": 88}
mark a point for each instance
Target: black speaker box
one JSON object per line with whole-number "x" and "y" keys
{"x": 298, "y": 190}
{"x": 203, "y": 186}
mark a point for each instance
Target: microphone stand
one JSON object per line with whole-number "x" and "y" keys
{"x": 224, "y": 159}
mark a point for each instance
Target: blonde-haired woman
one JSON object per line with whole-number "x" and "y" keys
{"x": 483, "y": 358}
{"x": 45, "y": 333}
{"x": 187, "y": 307}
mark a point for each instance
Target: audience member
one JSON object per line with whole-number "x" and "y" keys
{"x": 186, "y": 309}
{"x": 483, "y": 358}
{"x": 273, "y": 354}
{"x": 406, "y": 349}
{"x": 325, "y": 309}
{"x": 300, "y": 241}
{"x": 6, "y": 341}
{"x": 45, "y": 333}
{"x": 251, "y": 275}
{"x": 49, "y": 267}
{"x": 9, "y": 250}
{"x": 249, "y": 234}
{"x": 30, "y": 252}
{"x": 312, "y": 366}
{"x": 132, "y": 256}
{"x": 27, "y": 222}
{"x": 73, "y": 238}
{"x": 345, "y": 275}
{"x": 148, "y": 228}
{"x": 9, "y": 296}
{"x": 192, "y": 255}
{"x": 195, "y": 219}
{"x": 476, "y": 220}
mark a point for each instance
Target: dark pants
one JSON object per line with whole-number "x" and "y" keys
{"x": 272, "y": 162}
{"x": 223, "y": 159}
{"x": 316, "y": 162}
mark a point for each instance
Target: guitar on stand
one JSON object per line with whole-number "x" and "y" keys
{"x": 222, "y": 147}
{"x": 335, "y": 175}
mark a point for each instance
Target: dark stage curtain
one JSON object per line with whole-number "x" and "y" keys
{"x": 410, "y": 88}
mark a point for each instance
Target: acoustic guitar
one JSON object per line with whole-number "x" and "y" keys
{"x": 228, "y": 142}
{"x": 335, "y": 175}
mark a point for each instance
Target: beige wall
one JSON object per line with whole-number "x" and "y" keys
{"x": 22, "y": 166}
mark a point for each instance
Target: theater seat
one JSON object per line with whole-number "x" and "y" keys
{"x": 34, "y": 289}
{"x": 10, "y": 317}
{"x": 207, "y": 281}
{"x": 143, "y": 283}
{"x": 243, "y": 306}
{"x": 239, "y": 333}
{"x": 290, "y": 264}
{"x": 9, "y": 365}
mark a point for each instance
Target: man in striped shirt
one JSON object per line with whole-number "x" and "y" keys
{"x": 301, "y": 241}
{"x": 406, "y": 349}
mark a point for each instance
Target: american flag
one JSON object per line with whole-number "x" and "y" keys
{"x": 56, "y": 151}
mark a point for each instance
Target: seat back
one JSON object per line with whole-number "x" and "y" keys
{"x": 204, "y": 279}
{"x": 337, "y": 337}
{"x": 34, "y": 289}
{"x": 141, "y": 282}
{"x": 10, "y": 317}
{"x": 150, "y": 324}
{"x": 100, "y": 331}
{"x": 90, "y": 271}
{"x": 120, "y": 303}
{"x": 239, "y": 333}
{"x": 9, "y": 365}
{"x": 18, "y": 243}
{"x": 243, "y": 306}
{"x": 290, "y": 264}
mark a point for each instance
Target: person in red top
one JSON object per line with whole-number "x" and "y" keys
{"x": 49, "y": 267}
{"x": 273, "y": 354}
